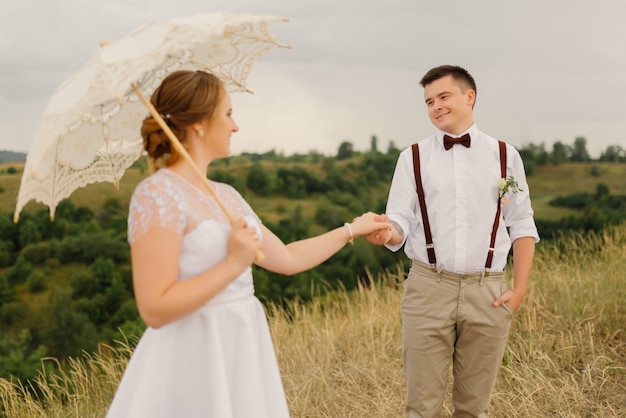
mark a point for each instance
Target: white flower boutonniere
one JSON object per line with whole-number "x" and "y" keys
{"x": 508, "y": 185}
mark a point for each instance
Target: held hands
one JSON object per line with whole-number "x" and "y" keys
{"x": 383, "y": 235}
{"x": 370, "y": 223}
{"x": 243, "y": 243}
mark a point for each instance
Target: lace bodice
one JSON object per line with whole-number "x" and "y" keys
{"x": 168, "y": 200}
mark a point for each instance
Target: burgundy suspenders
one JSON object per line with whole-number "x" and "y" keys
{"x": 496, "y": 221}
{"x": 430, "y": 249}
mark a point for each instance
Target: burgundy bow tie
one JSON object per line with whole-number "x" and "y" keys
{"x": 448, "y": 141}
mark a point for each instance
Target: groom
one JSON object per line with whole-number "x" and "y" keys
{"x": 447, "y": 207}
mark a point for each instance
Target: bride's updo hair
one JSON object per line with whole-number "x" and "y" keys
{"x": 182, "y": 99}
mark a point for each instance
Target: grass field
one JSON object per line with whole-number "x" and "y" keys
{"x": 340, "y": 355}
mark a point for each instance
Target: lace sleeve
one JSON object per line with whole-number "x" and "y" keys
{"x": 156, "y": 202}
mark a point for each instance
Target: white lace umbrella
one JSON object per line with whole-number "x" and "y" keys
{"x": 91, "y": 126}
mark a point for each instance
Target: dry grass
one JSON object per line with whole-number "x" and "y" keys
{"x": 84, "y": 390}
{"x": 340, "y": 355}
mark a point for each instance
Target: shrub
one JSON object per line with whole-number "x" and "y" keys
{"x": 20, "y": 271}
{"x": 595, "y": 171}
{"x": 36, "y": 281}
{"x": 37, "y": 252}
{"x": 7, "y": 293}
{"x": 6, "y": 253}
{"x": 88, "y": 247}
{"x": 84, "y": 285}
{"x": 11, "y": 312}
{"x": 8, "y": 229}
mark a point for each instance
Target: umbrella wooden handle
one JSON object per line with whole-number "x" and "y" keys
{"x": 182, "y": 151}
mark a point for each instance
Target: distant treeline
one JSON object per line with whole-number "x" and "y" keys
{"x": 11, "y": 156}
{"x": 537, "y": 155}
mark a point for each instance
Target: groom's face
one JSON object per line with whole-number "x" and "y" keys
{"x": 449, "y": 105}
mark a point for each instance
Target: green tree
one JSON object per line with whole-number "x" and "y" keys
{"x": 315, "y": 157}
{"x": 7, "y": 256}
{"x": 374, "y": 144}
{"x": 29, "y": 233}
{"x": 579, "y": 151}
{"x": 18, "y": 358}
{"x": 88, "y": 247}
{"x": 12, "y": 312}
{"x": 613, "y": 154}
{"x": 103, "y": 270}
{"x": 328, "y": 215}
{"x": 7, "y": 293}
{"x": 19, "y": 272}
{"x": 337, "y": 181}
{"x": 228, "y": 177}
{"x": 37, "y": 252}
{"x": 258, "y": 180}
{"x": 68, "y": 211}
{"x": 595, "y": 171}
{"x": 533, "y": 155}
{"x": 602, "y": 190}
{"x": 127, "y": 312}
{"x": 345, "y": 151}
{"x": 36, "y": 281}
{"x": 68, "y": 332}
{"x": 392, "y": 149}
{"x": 8, "y": 229}
{"x": 560, "y": 153}
{"x": 116, "y": 294}
{"x": 84, "y": 284}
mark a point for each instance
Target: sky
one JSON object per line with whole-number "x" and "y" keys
{"x": 546, "y": 70}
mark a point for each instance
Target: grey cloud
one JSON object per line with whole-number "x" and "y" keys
{"x": 541, "y": 65}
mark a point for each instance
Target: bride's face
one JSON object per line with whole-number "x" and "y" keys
{"x": 220, "y": 127}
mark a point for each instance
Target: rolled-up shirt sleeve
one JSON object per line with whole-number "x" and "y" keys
{"x": 402, "y": 201}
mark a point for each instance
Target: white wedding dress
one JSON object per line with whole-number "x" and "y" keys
{"x": 219, "y": 361}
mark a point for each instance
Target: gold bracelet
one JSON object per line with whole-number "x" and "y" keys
{"x": 351, "y": 240}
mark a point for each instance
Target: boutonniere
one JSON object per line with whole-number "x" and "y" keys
{"x": 508, "y": 185}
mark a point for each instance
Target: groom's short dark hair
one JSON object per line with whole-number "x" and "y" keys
{"x": 459, "y": 74}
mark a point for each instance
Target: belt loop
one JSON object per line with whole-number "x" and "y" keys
{"x": 439, "y": 275}
{"x": 483, "y": 274}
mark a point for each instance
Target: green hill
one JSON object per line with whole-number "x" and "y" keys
{"x": 547, "y": 183}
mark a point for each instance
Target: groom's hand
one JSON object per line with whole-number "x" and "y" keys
{"x": 381, "y": 236}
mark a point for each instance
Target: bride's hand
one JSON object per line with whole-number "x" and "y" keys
{"x": 369, "y": 223}
{"x": 243, "y": 243}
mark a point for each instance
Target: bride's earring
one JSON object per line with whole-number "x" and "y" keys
{"x": 201, "y": 133}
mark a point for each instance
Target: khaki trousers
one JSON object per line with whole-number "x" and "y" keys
{"x": 448, "y": 319}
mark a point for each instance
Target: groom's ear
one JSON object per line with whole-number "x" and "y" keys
{"x": 471, "y": 97}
